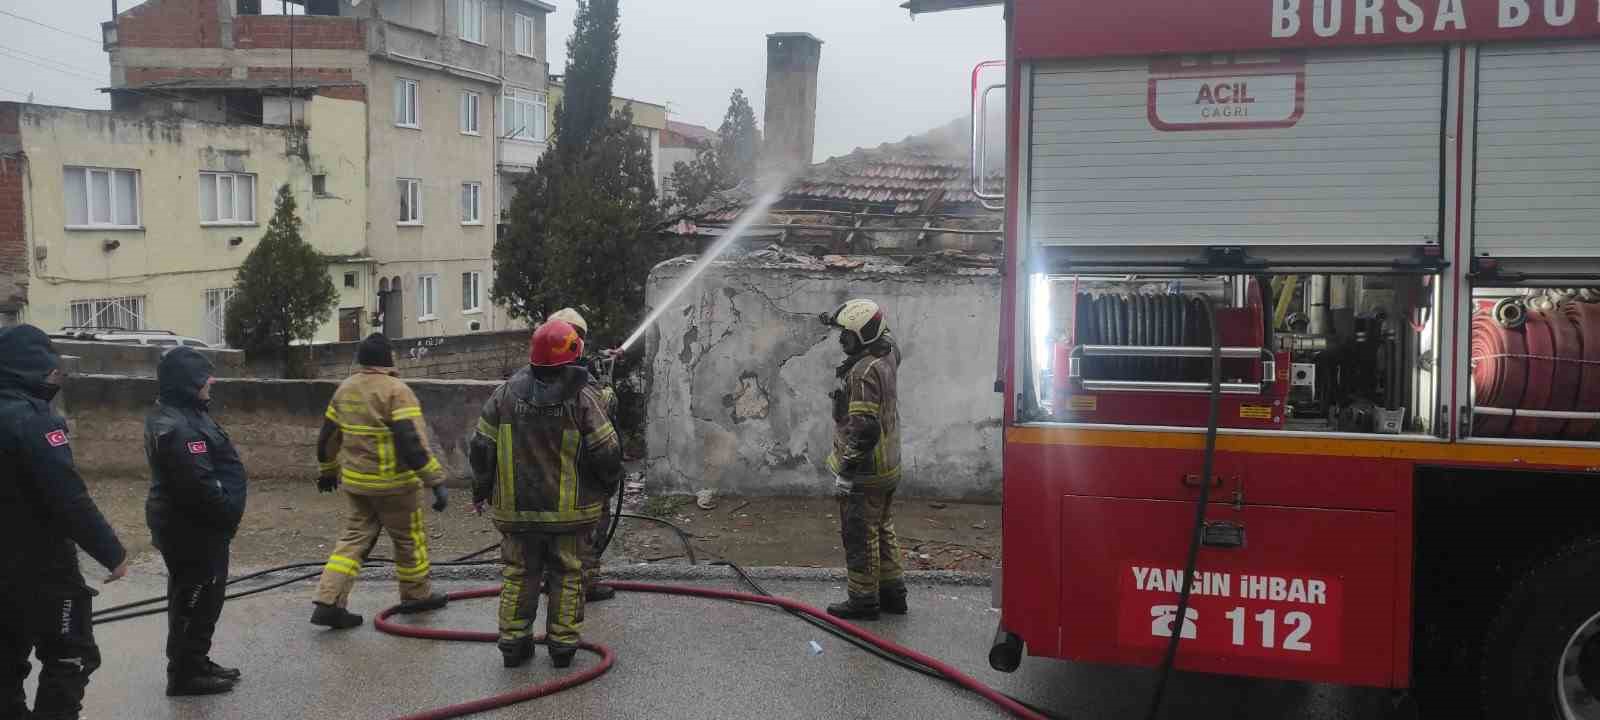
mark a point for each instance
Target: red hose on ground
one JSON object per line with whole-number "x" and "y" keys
{"x": 606, "y": 658}
{"x": 385, "y": 625}
{"x": 953, "y": 674}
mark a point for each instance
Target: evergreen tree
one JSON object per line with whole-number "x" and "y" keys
{"x": 581, "y": 225}
{"x": 591, "y": 66}
{"x": 739, "y": 144}
{"x": 696, "y": 181}
{"x": 283, "y": 292}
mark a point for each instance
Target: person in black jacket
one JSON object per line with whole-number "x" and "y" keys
{"x": 45, "y": 516}
{"x": 197, "y": 497}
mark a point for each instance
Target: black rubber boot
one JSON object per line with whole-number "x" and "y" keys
{"x": 892, "y": 600}
{"x": 599, "y": 593}
{"x": 431, "y": 602}
{"x": 855, "y": 609}
{"x": 336, "y": 618}
{"x": 196, "y": 683}
{"x": 516, "y": 653}
{"x": 561, "y": 655}
{"x": 226, "y": 673}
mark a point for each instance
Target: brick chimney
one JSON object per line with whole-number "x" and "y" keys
{"x": 790, "y": 123}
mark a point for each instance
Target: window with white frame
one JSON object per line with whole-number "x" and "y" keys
{"x": 410, "y": 200}
{"x": 523, "y": 115}
{"x": 427, "y": 297}
{"x": 472, "y": 21}
{"x": 469, "y": 112}
{"x": 216, "y": 304}
{"x": 471, "y": 292}
{"x": 471, "y": 201}
{"x": 227, "y": 198}
{"x": 405, "y": 103}
{"x": 126, "y": 313}
{"x": 101, "y": 197}
{"x": 524, "y": 35}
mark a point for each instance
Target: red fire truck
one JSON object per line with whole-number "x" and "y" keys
{"x": 1389, "y": 212}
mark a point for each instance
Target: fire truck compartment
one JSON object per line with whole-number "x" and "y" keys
{"x": 1280, "y": 592}
{"x": 1302, "y": 352}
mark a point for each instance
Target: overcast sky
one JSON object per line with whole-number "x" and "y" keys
{"x": 883, "y": 76}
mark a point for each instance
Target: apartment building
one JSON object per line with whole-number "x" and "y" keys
{"x": 455, "y": 103}
{"x": 400, "y": 125}
{"x": 116, "y": 220}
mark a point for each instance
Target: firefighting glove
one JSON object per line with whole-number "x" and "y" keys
{"x": 841, "y": 487}
{"x": 327, "y": 483}
{"x": 441, "y": 498}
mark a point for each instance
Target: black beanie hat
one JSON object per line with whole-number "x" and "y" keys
{"x": 375, "y": 352}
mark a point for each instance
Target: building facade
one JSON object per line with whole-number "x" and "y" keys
{"x": 400, "y": 125}
{"x": 140, "y": 223}
{"x": 455, "y": 105}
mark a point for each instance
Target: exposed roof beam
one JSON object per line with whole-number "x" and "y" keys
{"x": 927, "y": 6}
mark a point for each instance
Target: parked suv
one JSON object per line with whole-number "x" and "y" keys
{"x": 159, "y": 338}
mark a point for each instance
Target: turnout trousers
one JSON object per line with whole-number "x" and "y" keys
{"x": 55, "y": 626}
{"x": 367, "y": 515}
{"x": 871, "y": 550}
{"x": 591, "y": 550}
{"x": 556, "y": 557}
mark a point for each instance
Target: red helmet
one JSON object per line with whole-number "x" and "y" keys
{"x": 554, "y": 344}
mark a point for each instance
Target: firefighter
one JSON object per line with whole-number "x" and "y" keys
{"x": 593, "y": 591}
{"x": 374, "y": 446}
{"x": 46, "y": 515}
{"x": 865, "y": 460}
{"x": 545, "y": 457}
{"x": 197, "y": 497}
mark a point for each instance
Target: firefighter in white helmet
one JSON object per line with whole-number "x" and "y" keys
{"x": 592, "y": 591}
{"x": 865, "y": 461}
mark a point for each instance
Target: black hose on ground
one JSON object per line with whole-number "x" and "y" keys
{"x": 109, "y": 615}
{"x": 1206, "y": 463}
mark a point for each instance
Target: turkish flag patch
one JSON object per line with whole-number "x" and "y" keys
{"x": 56, "y": 438}
{"x": 197, "y": 447}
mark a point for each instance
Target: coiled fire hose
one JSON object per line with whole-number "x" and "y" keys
{"x": 1542, "y": 356}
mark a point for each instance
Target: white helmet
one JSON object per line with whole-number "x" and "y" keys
{"x": 571, "y": 317}
{"x": 861, "y": 318}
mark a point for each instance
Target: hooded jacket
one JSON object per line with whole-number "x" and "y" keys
{"x": 545, "y": 453}
{"x": 197, "y": 482}
{"x": 866, "y": 416}
{"x": 45, "y": 510}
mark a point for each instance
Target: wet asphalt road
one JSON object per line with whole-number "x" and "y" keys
{"x": 677, "y": 658}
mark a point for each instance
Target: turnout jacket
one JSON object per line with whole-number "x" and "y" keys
{"x": 374, "y": 437}
{"x": 197, "y": 482}
{"x": 45, "y": 510}
{"x": 866, "y": 417}
{"x": 545, "y": 453}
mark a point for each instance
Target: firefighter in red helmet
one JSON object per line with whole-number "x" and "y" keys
{"x": 865, "y": 461}
{"x": 545, "y": 457}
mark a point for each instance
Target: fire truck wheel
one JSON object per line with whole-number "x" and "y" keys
{"x": 1541, "y": 656}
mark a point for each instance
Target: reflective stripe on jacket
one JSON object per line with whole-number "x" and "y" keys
{"x": 866, "y": 415}
{"x": 545, "y": 454}
{"x": 371, "y": 408}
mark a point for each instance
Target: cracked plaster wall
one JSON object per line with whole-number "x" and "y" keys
{"x": 741, "y": 370}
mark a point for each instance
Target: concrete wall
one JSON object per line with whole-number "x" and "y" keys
{"x": 274, "y": 422}
{"x": 171, "y": 259}
{"x": 740, "y": 371}
{"x": 477, "y": 356}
